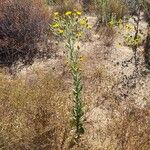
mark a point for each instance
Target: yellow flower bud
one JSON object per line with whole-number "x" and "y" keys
{"x": 56, "y": 13}
{"x": 78, "y": 13}
{"x": 81, "y": 58}
{"x": 129, "y": 27}
{"x": 56, "y": 25}
{"x": 111, "y": 23}
{"x": 89, "y": 26}
{"x": 68, "y": 13}
{"x": 79, "y": 34}
{"x": 83, "y": 22}
{"x": 61, "y": 31}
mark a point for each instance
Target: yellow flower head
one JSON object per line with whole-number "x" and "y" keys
{"x": 79, "y": 34}
{"x": 89, "y": 26}
{"x": 129, "y": 27}
{"x": 111, "y": 23}
{"x": 61, "y": 31}
{"x": 83, "y": 22}
{"x": 78, "y": 13}
{"x": 81, "y": 58}
{"x": 56, "y": 25}
{"x": 56, "y": 13}
{"x": 68, "y": 13}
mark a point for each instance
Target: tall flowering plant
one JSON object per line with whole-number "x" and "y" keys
{"x": 71, "y": 27}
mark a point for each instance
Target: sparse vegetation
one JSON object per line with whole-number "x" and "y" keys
{"x": 92, "y": 93}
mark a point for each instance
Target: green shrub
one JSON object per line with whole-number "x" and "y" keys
{"x": 108, "y": 9}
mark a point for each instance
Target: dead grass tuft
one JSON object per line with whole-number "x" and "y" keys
{"x": 130, "y": 129}
{"x": 34, "y": 116}
{"x": 107, "y": 35}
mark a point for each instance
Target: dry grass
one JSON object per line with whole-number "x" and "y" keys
{"x": 129, "y": 128}
{"x": 112, "y": 123}
{"x": 118, "y": 8}
{"x": 63, "y": 6}
{"x": 107, "y": 35}
{"x": 34, "y": 115}
{"x": 35, "y": 110}
{"x": 124, "y": 126}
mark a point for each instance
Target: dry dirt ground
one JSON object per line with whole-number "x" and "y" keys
{"x": 108, "y": 73}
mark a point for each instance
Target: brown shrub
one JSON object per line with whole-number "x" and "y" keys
{"x": 34, "y": 116}
{"x": 146, "y": 9}
{"x": 23, "y": 24}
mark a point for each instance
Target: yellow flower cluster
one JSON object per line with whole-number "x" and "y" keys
{"x": 79, "y": 34}
{"x": 112, "y": 22}
{"x": 131, "y": 41}
{"x": 83, "y": 22}
{"x": 56, "y": 13}
{"x": 60, "y": 31}
{"x": 78, "y": 13}
{"x": 89, "y": 26}
{"x": 129, "y": 27}
{"x": 68, "y": 13}
{"x": 81, "y": 58}
{"x": 56, "y": 25}
{"x": 60, "y": 24}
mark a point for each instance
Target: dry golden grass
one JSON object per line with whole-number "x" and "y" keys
{"x": 107, "y": 35}
{"x": 126, "y": 127}
{"x": 34, "y": 115}
{"x": 35, "y": 110}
